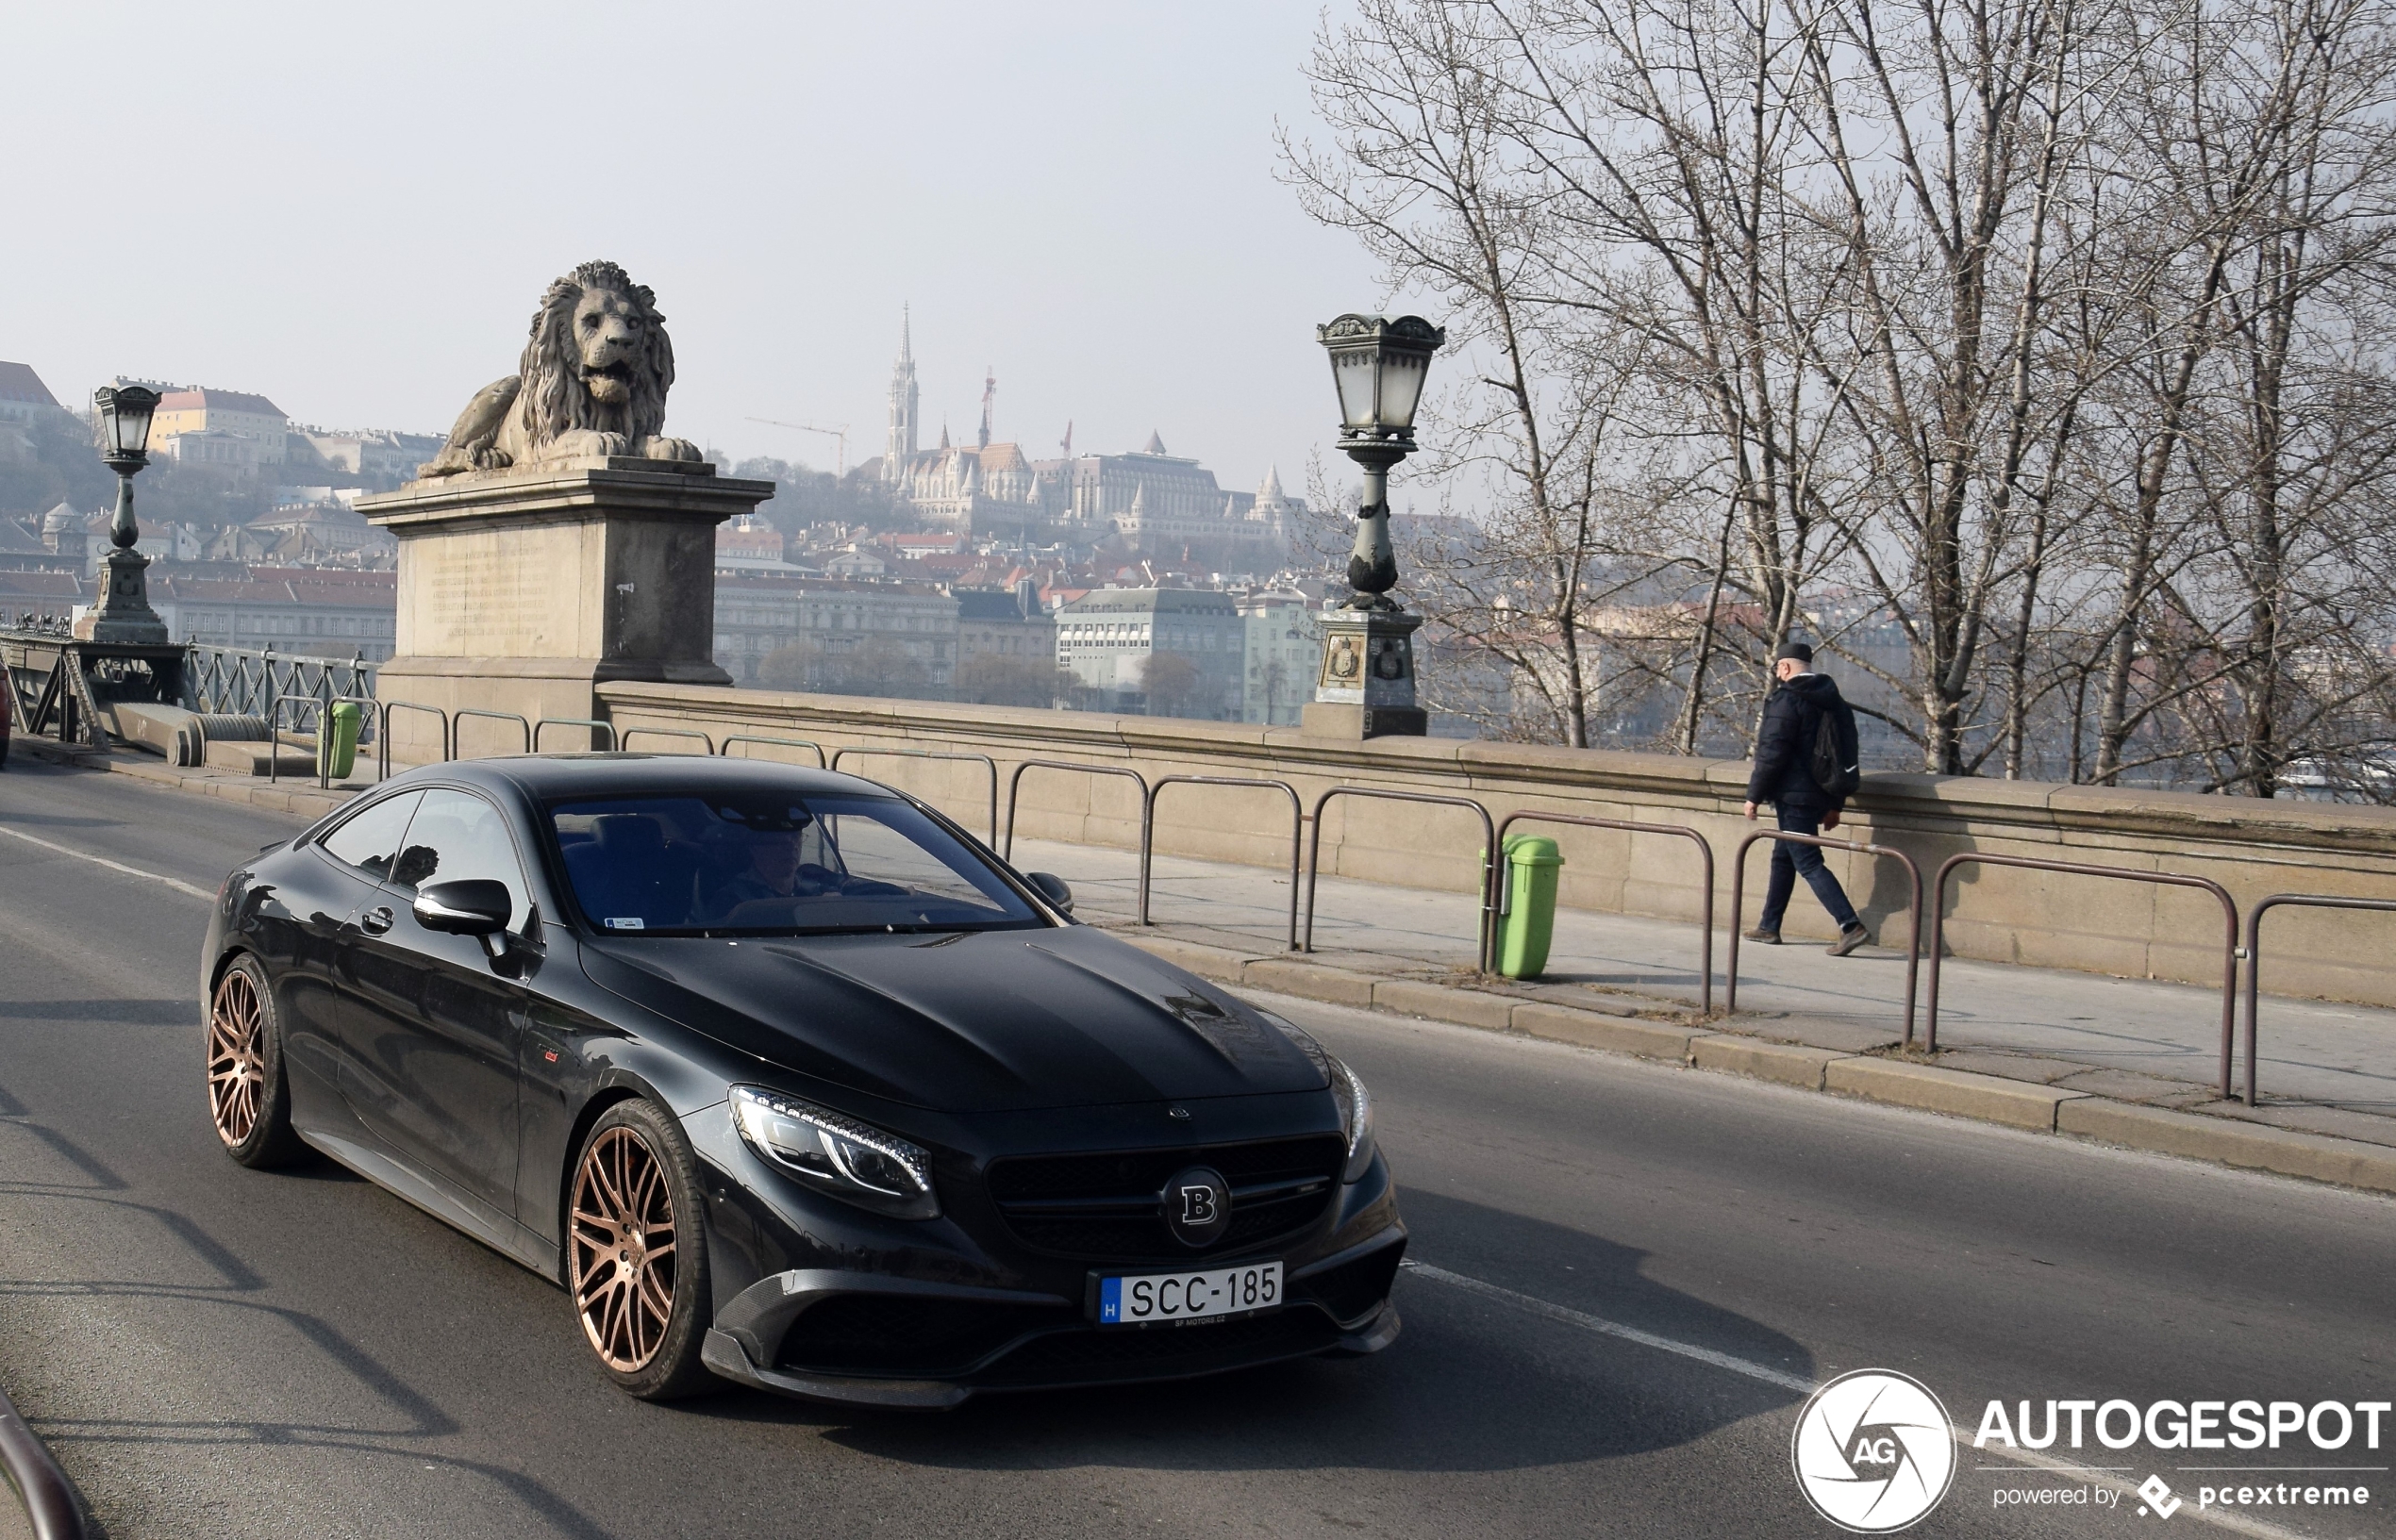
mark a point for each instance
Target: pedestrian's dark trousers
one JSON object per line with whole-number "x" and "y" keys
{"x": 1789, "y": 858}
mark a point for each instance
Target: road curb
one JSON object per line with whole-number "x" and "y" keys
{"x": 1988, "y": 1098}
{"x": 2346, "y": 1163}
{"x": 1720, "y": 1047}
{"x": 1591, "y": 1029}
{"x": 1790, "y": 1063}
{"x": 51, "y": 1503}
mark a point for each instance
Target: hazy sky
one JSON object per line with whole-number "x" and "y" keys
{"x": 352, "y": 209}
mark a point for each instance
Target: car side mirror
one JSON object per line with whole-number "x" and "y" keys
{"x": 1053, "y": 888}
{"x": 469, "y": 906}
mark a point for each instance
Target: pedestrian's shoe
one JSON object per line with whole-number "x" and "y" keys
{"x": 1849, "y": 939}
{"x": 1769, "y": 939}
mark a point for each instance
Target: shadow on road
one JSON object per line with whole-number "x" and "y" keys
{"x": 207, "y": 1309}
{"x": 1472, "y": 1384}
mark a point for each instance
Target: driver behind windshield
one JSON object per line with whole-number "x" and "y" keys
{"x": 775, "y": 872}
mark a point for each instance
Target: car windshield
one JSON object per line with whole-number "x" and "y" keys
{"x": 775, "y": 863}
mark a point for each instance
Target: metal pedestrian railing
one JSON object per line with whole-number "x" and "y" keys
{"x": 2163, "y": 879}
{"x": 631, "y": 733}
{"x": 982, "y": 760}
{"x": 1913, "y": 941}
{"x": 2254, "y": 959}
{"x": 724, "y": 750}
{"x": 1489, "y": 833}
{"x": 1678, "y": 831}
{"x": 384, "y": 736}
{"x": 457, "y": 727}
{"x": 587, "y": 724}
{"x": 1148, "y": 835}
{"x": 1015, "y": 783}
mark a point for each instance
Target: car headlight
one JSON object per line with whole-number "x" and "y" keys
{"x": 1356, "y": 1118}
{"x": 845, "y": 1158}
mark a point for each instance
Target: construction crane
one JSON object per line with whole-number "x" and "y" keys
{"x": 841, "y": 433}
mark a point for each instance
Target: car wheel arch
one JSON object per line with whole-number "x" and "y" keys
{"x": 616, "y": 1087}
{"x": 232, "y": 954}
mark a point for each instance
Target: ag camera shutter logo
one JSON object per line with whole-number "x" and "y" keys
{"x": 1873, "y": 1451}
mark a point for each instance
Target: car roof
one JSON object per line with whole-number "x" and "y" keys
{"x": 547, "y": 777}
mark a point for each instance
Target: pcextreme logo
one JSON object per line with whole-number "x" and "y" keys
{"x": 1873, "y": 1451}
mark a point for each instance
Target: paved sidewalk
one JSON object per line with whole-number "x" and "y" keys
{"x": 2322, "y": 1064}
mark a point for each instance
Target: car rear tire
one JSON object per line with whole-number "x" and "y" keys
{"x": 249, "y": 1099}
{"x": 636, "y": 1253}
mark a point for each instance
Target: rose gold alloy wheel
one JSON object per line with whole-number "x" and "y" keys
{"x": 236, "y": 1057}
{"x": 623, "y": 1250}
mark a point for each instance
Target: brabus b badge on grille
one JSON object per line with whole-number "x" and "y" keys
{"x": 1197, "y": 1205}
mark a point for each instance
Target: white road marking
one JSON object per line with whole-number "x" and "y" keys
{"x": 1615, "y": 1329}
{"x": 176, "y": 883}
{"x": 2237, "y": 1522}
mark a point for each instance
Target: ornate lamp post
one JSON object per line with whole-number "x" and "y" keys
{"x": 1366, "y": 688}
{"x": 123, "y": 613}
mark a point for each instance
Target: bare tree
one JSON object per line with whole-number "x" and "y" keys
{"x": 2045, "y": 335}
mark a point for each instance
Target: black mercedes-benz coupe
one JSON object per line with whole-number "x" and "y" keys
{"x": 791, "y": 1082}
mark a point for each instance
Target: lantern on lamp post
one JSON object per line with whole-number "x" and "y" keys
{"x": 123, "y": 612}
{"x": 1378, "y": 365}
{"x": 1366, "y": 687}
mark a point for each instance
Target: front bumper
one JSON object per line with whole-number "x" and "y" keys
{"x": 834, "y": 1336}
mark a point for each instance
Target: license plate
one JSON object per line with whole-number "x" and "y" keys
{"x": 1183, "y": 1299}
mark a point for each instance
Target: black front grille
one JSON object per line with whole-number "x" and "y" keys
{"x": 1106, "y": 1207}
{"x": 1159, "y": 1351}
{"x": 899, "y": 1334}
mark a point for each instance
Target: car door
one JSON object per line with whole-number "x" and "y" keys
{"x": 434, "y": 1020}
{"x": 304, "y": 926}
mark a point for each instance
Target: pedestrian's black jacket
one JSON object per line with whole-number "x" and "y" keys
{"x": 1784, "y": 773}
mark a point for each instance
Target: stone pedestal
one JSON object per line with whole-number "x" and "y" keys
{"x": 123, "y": 613}
{"x": 521, "y": 591}
{"x": 1366, "y": 688}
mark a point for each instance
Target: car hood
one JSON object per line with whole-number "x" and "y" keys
{"x": 989, "y": 1022}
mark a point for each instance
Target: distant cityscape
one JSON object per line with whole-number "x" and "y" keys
{"x": 979, "y": 573}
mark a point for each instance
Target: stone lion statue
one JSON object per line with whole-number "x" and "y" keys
{"x": 592, "y": 381}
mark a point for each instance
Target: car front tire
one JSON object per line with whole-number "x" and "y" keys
{"x": 637, "y": 1256}
{"x": 249, "y": 1097}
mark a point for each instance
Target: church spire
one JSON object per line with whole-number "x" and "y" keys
{"x": 898, "y": 446}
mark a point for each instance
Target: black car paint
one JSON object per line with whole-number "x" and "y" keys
{"x": 463, "y": 1081}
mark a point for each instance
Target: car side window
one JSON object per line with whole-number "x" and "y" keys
{"x": 455, "y": 836}
{"x": 371, "y": 840}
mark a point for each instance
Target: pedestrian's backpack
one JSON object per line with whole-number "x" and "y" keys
{"x": 1836, "y": 755}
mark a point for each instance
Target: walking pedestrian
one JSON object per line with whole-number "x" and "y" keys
{"x": 1807, "y": 737}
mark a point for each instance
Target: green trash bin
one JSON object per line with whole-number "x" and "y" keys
{"x": 1527, "y": 922}
{"x": 337, "y": 742}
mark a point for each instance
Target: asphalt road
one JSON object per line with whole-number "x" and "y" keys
{"x": 213, "y": 1351}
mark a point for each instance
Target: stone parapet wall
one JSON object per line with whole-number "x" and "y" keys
{"x": 2134, "y": 930}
